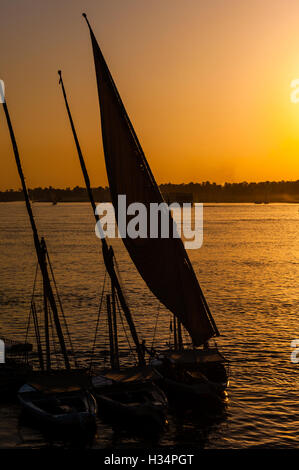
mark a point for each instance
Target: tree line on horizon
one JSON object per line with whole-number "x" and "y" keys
{"x": 267, "y": 191}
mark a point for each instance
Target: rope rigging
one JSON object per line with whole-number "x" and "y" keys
{"x": 61, "y": 309}
{"x": 124, "y": 329}
{"x": 155, "y": 329}
{"x": 31, "y": 302}
{"x": 97, "y": 323}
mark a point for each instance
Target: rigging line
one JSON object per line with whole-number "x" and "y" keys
{"x": 61, "y": 308}
{"x": 184, "y": 335}
{"x": 127, "y": 338}
{"x": 53, "y": 339}
{"x": 28, "y": 323}
{"x": 170, "y": 328}
{"x": 121, "y": 283}
{"x": 33, "y": 312}
{"x": 37, "y": 335}
{"x": 157, "y": 317}
{"x": 106, "y": 352}
{"x": 32, "y": 297}
{"x": 97, "y": 324}
{"x": 105, "y": 355}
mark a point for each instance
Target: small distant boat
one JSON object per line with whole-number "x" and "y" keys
{"x": 54, "y": 199}
{"x": 58, "y": 403}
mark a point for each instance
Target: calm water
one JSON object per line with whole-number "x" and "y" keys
{"x": 248, "y": 269}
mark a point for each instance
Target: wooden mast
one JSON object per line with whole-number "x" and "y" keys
{"x": 38, "y": 248}
{"x": 107, "y": 251}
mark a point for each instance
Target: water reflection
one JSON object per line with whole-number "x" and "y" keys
{"x": 248, "y": 270}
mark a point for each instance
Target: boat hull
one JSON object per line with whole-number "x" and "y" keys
{"x": 73, "y": 412}
{"x": 140, "y": 405}
{"x": 195, "y": 379}
{"x": 195, "y": 397}
{"x": 132, "y": 416}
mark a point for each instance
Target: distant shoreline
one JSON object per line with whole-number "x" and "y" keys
{"x": 203, "y": 202}
{"x": 205, "y": 192}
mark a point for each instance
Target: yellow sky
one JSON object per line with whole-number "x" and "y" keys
{"x": 206, "y": 85}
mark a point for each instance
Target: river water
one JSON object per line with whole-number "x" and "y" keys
{"x": 248, "y": 270}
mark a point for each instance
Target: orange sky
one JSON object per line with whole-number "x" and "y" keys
{"x": 205, "y": 83}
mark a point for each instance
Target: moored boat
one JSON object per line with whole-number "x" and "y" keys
{"x": 128, "y": 396}
{"x": 162, "y": 262}
{"x": 194, "y": 377}
{"x": 59, "y": 402}
{"x": 131, "y": 396}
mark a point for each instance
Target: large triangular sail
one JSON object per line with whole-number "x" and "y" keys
{"x": 163, "y": 263}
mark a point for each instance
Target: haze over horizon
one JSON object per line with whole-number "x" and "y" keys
{"x": 206, "y": 85}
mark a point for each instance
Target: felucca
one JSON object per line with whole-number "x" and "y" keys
{"x": 126, "y": 395}
{"x": 194, "y": 372}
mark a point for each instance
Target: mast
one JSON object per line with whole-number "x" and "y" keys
{"x": 108, "y": 253}
{"x": 37, "y": 244}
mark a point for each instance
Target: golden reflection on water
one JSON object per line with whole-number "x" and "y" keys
{"x": 248, "y": 270}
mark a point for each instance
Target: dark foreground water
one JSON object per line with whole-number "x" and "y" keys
{"x": 248, "y": 269}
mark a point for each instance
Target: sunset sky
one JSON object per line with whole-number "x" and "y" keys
{"x": 205, "y": 83}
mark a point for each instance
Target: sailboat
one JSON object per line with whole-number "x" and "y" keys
{"x": 51, "y": 397}
{"x": 163, "y": 263}
{"x": 126, "y": 395}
